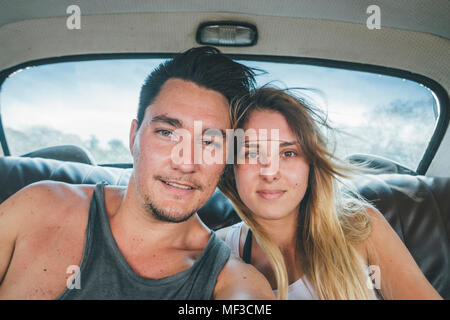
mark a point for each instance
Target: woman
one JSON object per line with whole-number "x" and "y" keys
{"x": 313, "y": 241}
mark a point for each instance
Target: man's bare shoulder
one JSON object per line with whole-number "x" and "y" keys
{"x": 41, "y": 233}
{"x": 43, "y": 190}
{"x": 241, "y": 281}
{"x": 46, "y": 201}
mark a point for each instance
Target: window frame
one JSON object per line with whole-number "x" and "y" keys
{"x": 438, "y": 90}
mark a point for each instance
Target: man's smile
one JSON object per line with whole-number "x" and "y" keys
{"x": 178, "y": 185}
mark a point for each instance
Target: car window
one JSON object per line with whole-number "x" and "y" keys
{"x": 91, "y": 104}
{"x": 88, "y": 103}
{"x": 370, "y": 113}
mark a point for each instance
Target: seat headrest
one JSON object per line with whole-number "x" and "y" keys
{"x": 63, "y": 153}
{"x": 382, "y": 165}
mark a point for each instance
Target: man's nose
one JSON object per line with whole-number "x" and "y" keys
{"x": 184, "y": 161}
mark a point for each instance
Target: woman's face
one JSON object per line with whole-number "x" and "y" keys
{"x": 273, "y": 194}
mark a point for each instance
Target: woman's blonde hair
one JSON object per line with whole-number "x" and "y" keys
{"x": 331, "y": 222}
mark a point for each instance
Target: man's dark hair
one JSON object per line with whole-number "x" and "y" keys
{"x": 204, "y": 66}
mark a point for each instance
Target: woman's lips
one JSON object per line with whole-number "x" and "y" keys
{"x": 270, "y": 194}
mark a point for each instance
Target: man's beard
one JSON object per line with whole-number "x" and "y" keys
{"x": 161, "y": 215}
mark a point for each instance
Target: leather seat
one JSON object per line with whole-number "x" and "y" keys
{"x": 417, "y": 207}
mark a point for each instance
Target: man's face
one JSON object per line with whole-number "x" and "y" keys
{"x": 170, "y": 190}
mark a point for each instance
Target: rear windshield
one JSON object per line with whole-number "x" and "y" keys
{"x": 91, "y": 104}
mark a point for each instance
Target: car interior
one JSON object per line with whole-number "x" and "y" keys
{"x": 411, "y": 42}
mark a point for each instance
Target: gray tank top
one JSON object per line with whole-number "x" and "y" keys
{"x": 105, "y": 274}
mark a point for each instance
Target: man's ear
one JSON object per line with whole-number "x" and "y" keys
{"x": 133, "y": 134}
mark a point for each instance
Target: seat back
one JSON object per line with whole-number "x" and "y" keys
{"x": 417, "y": 207}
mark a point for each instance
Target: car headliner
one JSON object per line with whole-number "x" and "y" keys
{"x": 414, "y": 34}
{"x": 414, "y": 15}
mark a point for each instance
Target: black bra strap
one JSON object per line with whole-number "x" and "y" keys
{"x": 247, "y": 254}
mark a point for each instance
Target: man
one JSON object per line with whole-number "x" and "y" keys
{"x": 144, "y": 241}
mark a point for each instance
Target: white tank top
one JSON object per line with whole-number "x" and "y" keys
{"x": 299, "y": 290}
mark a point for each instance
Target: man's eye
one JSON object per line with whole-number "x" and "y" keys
{"x": 211, "y": 143}
{"x": 163, "y": 132}
{"x": 207, "y": 142}
{"x": 252, "y": 155}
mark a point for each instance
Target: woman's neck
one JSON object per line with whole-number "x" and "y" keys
{"x": 283, "y": 233}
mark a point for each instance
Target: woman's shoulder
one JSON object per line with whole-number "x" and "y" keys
{"x": 222, "y": 233}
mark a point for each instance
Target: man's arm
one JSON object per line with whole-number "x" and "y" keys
{"x": 22, "y": 212}
{"x": 401, "y": 277}
{"x": 241, "y": 281}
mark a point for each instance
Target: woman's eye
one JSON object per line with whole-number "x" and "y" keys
{"x": 289, "y": 154}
